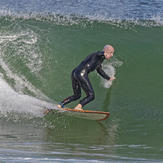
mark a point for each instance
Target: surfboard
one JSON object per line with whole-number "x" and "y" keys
{"x": 86, "y": 114}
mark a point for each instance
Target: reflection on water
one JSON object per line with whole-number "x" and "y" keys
{"x": 64, "y": 137}
{"x": 80, "y": 138}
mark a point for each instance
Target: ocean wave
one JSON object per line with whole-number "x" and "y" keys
{"x": 87, "y": 8}
{"x": 84, "y": 20}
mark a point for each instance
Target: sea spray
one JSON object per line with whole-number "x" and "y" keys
{"x": 13, "y": 101}
{"x": 110, "y": 69}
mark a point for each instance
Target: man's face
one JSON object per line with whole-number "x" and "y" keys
{"x": 109, "y": 53}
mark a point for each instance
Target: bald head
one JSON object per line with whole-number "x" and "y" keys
{"x": 108, "y": 51}
{"x": 108, "y": 48}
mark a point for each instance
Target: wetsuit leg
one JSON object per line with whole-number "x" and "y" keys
{"x": 76, "y": 89}
{"x": 87, "y": 87}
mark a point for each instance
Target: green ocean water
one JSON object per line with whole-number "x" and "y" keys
{"x": 36, "y": 59}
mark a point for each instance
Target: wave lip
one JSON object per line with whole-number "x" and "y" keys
{"x": 93, "y": 10}
{"x": 104, "y": 8}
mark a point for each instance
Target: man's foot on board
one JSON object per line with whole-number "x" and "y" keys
{"x": 78, "y": 107}
{"x": 60, "y": 105}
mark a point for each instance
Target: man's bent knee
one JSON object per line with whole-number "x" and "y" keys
{"x": 77, "y": 96}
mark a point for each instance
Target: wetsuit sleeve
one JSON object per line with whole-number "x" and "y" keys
{"x": 102, "y": 73}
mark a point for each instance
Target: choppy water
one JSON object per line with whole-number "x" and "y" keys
{"x": 41, "y": 42}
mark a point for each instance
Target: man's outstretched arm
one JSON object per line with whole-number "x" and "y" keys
{"x": 102, "y": 73}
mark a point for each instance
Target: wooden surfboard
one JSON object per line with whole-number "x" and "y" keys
{"x": 86, "y": 114}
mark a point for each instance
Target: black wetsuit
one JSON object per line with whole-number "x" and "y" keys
{"x": 80, "y": 78}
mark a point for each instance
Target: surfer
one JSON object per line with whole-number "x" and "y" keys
{"x": 80, "y": 78}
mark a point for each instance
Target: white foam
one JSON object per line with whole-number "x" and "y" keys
{"x": 110, "y": 69}
{"x": 20, "y": 81}
{"x": 70, "y": 16}
{"x": 11, "y": 101}
{"x": 24, "y": 45}
{"x": 158, "y": 20}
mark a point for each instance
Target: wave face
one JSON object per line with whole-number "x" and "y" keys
{"x": 38, "y": 55}
{"x": 41, "y": 42}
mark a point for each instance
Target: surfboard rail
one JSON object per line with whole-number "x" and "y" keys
{"x": 90, "y": 114}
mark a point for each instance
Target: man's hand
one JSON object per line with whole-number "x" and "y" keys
{"x": 112, "y": 78}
